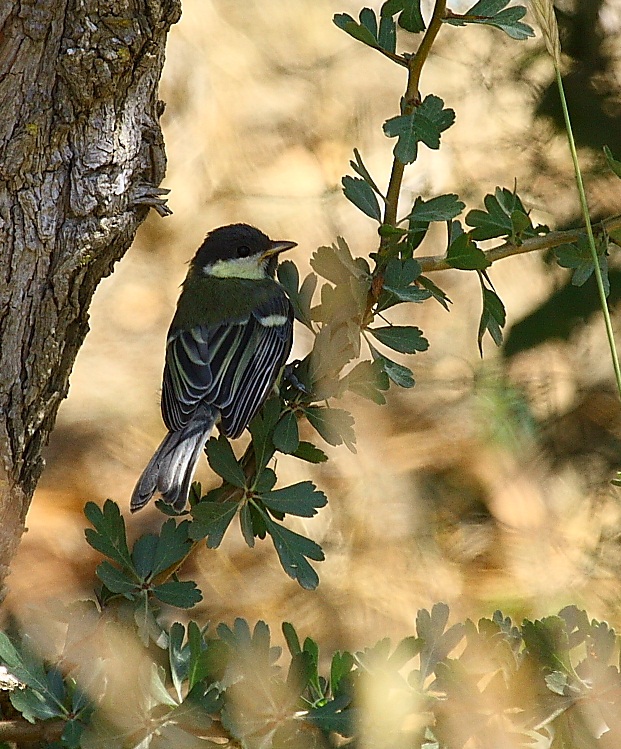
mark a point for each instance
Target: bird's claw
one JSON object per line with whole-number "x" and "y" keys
{"x": 290, "y": 378}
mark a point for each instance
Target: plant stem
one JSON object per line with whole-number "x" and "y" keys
{"x": 411, "y": 99}
{"x": 432, "y": 263}
{"x": 589, "y": 230}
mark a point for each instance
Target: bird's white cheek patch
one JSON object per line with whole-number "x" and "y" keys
{"x": 241, "y": 267}
{"x": 272, "y": 321}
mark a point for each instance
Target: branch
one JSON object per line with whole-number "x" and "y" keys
{"x": 22, "y": 731}
{"x": 411, "y": 99}
{"x": 430, "y": 263}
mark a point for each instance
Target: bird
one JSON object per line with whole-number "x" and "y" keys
{"x": 226, "y": 348}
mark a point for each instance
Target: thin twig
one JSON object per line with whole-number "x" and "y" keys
{"x": 411, "y": 99}
{"x": 431, "y": 263}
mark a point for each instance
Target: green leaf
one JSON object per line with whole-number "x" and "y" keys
{"x": 143, "y": 554}
{"x": 387, "y": 34}
{"x": 211, "y": 519}
{"x": 109, "y": 535}
{"x": 196, "y": 663}
{"x": 435, "y": 291}
{"x": 491, "y": 13}
{"x": 614, "y": 165}
{"x": 178, "y": 657}
{"x": 357, "y": 30}
{"x": 289, "y": 277}
{"x": 493, "y": 318}
{"x": 173, "y": 544}
{"x": 72, "y": 734}
{"x": 577, "y": 256}
{"x": 261, "y": 428}
{"x": 360, "y": 169}
{"x": 294, "y": 551}
{"x": 394, "y": 296}
{"x": 34, "y": 706}
{"x": 302, "y": 499}
{"x": 547, "y": 640}
{"x": 291, "y": 638}
{"x": 361, "y": 194}
{"x": 265, "y": 481}
{"x": 246, "y": 525}
{"x": 115, "y": 580}
{"x": 305, "y": 298}
{"x": 184, "y": 594}
{"x": 193, "y": 714}
{"x": 463, "y": 254}
{"x": 407, "y": 649}
{"x": 399, "y": 274}
{"x": 43, "y": 697}
{"x": 342, "y": 664}
{"x": 411, "y": 18}
{"x": 368, "y": 19}
{"x": 367, "y": 379}
{"x": 435, "y": 643}
{"x": 223, "y": 461}
{"x": 400, "y": 375}
{"x": 286, "y": 434}
{"x": 424, "y": 125}
{"x": 300, "y": 298}
{"x": 311, "y": 454}
{"x": 334, "y": 717}
{"x": 403, "y": 338}
{"x": 333, "y": 424}
{"x": 499, "y": 219}
{"x": 441, "y": 208}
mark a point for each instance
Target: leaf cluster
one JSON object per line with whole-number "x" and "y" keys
{"x": 552, "y": 683}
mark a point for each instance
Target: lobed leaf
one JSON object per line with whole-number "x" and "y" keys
{"x": 286, "y": 435}
{"x": 108, "y": 536}
{"x": 361, "y": 194}
{"x": 463, "y": 254}
{"x": 400, "y": 375}
{"x": 334, "y": 424}
{"x": 493, "y": 318}
{"x": 403, "y": 338}
{"x": 115, "y": 579}
{"x": 310, "y": 453}
{"x": 211, "y": 519}
{"x": 223, "y": 461}
{"x": 440, "y": 208}
{"x": 183, "y": 595}
{"x": 424, "y": 125}
{"x": 294, "y": 551}
{"x": 302, "y": 499}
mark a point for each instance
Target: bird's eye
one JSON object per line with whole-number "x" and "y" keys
{"x": 243, "y": 251}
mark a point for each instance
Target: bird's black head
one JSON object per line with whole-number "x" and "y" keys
{"x": 239, "y": 251}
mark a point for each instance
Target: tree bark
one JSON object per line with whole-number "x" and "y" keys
{"x": 81, "y": 153}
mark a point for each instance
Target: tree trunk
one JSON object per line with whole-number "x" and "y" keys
{"x": 81, "y": 154}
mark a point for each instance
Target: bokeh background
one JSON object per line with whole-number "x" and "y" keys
{"x": 485, "y": 486}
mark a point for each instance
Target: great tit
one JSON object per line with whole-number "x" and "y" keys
{"x": 227, "y": 345}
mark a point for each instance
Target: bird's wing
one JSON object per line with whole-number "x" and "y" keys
{"x": 230, "y": 366}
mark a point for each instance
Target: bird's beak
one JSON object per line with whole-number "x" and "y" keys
{"x": 276, "y": 247}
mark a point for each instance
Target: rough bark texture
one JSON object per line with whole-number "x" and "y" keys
{"x": 80, "y": 148}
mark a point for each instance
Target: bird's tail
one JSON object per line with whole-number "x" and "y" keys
{"x": 170, "y": 470}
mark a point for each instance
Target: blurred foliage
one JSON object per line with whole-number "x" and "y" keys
{"x": 550, "y": 683}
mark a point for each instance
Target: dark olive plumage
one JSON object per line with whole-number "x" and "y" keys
{"x": 226, "y": 346}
